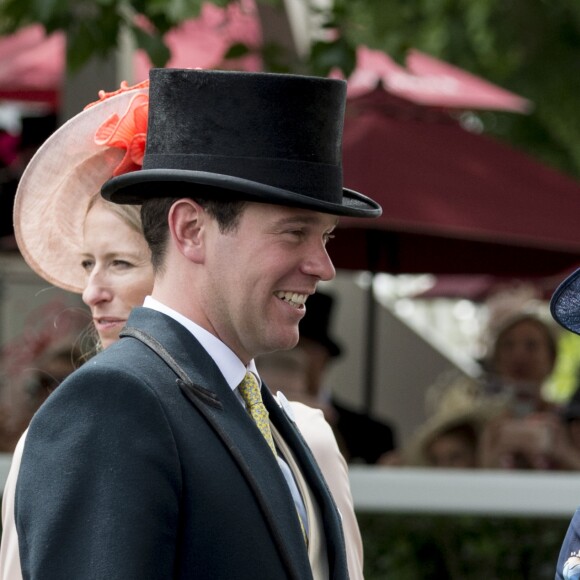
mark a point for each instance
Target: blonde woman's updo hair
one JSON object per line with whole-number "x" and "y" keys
{"x": 130, "y": 214}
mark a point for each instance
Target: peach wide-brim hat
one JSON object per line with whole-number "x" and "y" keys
{"x": 57, "y": 187}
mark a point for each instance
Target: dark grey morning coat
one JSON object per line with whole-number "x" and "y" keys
{"x": 132, "y": 472}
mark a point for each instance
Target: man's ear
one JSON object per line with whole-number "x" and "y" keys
{"x": 186, "y": 224}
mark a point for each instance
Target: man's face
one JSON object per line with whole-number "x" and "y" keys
{"x": 260, "y": 275}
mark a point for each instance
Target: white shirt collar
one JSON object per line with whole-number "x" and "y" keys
{"x": 231, "y": 367}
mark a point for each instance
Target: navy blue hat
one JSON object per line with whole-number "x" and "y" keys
{"x": 565, "y": 303}
{"x": 271, "y": 138}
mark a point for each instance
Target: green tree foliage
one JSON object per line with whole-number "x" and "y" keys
{"x": 531, "y": 47}
{"x": 93, "y": 26}
{"x": 460, "y": 547}
{"x": 566, "y": 376}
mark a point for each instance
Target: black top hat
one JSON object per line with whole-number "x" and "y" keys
{"x": 314, "y": 325}
{"x": 272, "y": 138}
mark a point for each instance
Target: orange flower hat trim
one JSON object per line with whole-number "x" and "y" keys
{"x": 127, "y": 132}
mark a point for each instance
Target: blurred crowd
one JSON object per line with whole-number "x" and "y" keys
{"x": 500, "y": 420}
{"x": 54, "y": 342}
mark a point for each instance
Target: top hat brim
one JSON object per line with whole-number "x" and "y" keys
{"x": 565, "y": 303}
{"x": 137, "y": 187}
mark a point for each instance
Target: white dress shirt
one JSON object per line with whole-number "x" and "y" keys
{"x": 234, "y": 371}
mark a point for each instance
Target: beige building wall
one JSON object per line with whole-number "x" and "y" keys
{"x": 405, "y": 365}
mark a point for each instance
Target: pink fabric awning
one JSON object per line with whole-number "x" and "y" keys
{"x": 429, "y": 81}
{"x": 32, "y": 64}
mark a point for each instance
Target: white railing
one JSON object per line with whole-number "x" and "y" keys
{"x": 438, "y": 491}
{"x": 483, "y": 492}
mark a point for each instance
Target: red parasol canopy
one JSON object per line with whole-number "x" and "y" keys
{"x": 429, "y": 81}
{"x": 454, "y": 201}
{"x": 480, "y": 287}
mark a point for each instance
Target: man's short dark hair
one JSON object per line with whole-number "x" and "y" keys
{"x": 154, "y": 213}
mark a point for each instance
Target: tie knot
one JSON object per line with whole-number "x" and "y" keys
{"x": 250, "y": 390}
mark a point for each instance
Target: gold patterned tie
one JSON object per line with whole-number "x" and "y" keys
{"x": 250, "y": 391}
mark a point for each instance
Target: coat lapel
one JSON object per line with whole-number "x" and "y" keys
{"x": 204, "y": 387}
